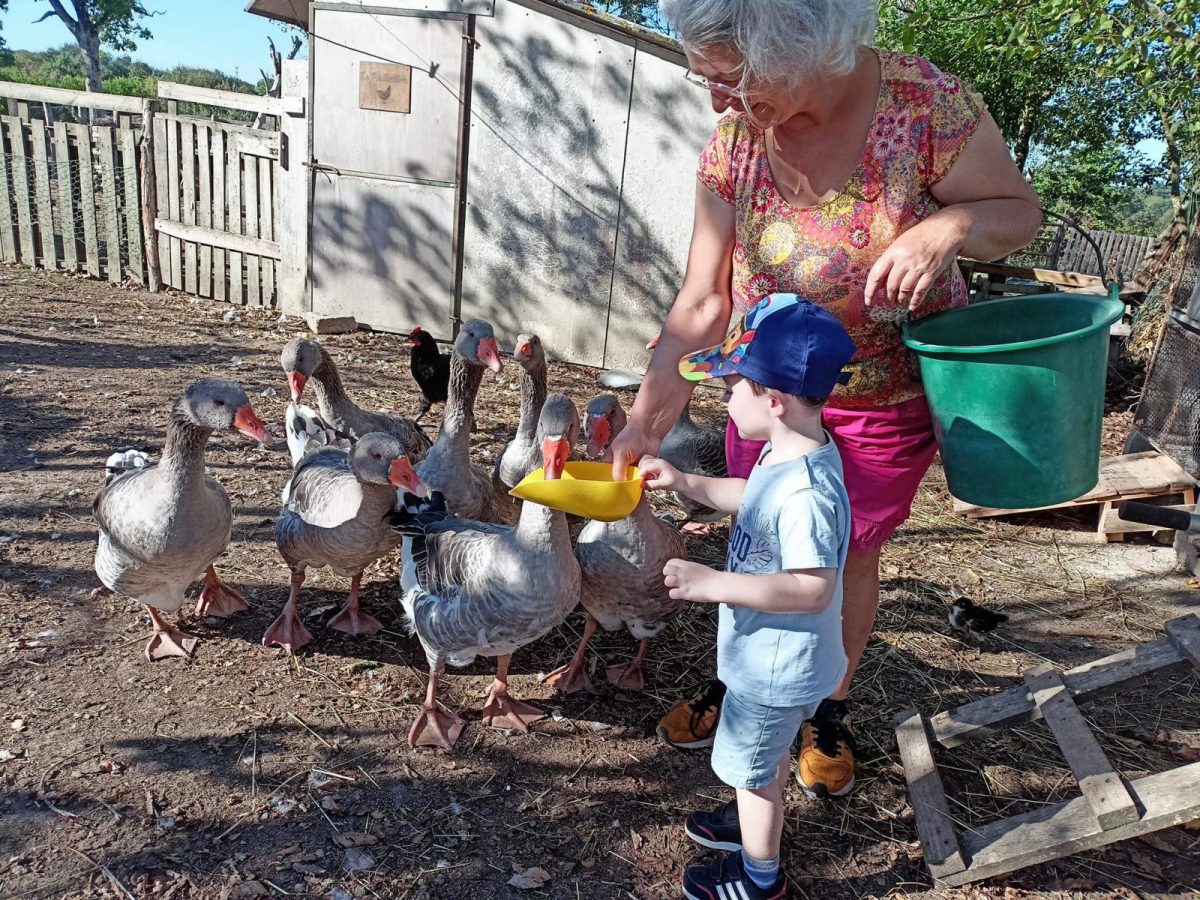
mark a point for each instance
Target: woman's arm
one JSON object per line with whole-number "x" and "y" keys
{"x": 698, "y": 317}
{"x": 988, "y": 210}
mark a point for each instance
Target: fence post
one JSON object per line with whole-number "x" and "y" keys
{"x": 149, "y": 199}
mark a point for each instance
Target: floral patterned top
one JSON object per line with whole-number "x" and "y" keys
{"x": 923, "y": 119}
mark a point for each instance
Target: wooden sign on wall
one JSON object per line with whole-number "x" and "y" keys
{"x": 385, "y": 86}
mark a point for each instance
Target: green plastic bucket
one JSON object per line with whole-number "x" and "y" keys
{"x": 1016, "y": 389}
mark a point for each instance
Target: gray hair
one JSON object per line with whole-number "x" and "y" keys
{"x": 782, "y": 41}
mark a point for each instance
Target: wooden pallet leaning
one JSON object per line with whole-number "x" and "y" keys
{"x": 1109, "y": 809}
{"x": 1134, "y": 476}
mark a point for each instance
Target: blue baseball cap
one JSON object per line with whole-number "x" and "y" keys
{"x": 800, "y": 351}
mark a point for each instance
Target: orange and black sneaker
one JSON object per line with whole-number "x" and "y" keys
{"x": 825, "y": 767}
{"x": 692, "y": 724}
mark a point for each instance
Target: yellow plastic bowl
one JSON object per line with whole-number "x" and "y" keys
{"x": 586, "y": 489}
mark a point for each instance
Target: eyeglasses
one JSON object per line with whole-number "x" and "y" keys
{"x": 717, "y": 87}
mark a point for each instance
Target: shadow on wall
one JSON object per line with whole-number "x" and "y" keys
{"x": 581, "y": 175}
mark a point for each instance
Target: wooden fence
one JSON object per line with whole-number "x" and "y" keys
{"x": 1069, "y": 252}
{"x": 69, "y": 198}
{"x": 73, "y": 192}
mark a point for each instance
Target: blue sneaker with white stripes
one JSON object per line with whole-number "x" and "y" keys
{"x": 725, "y": 879}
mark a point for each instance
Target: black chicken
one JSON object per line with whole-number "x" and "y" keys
{"x": 430, "y": 369}
{"x": 973, "y": 619}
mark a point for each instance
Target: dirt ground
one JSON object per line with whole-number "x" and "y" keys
{"x": 246, "y": 773}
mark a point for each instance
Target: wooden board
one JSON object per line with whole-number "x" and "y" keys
{"x": 204, "y": 206}
{"x": 1184, "y": 633}
{"x": 1098, "y": 780}
{"x": 64, "y": 97}
{"x": 64, "y": 201}
{"x": 266, "y": 229}
{"x": 218, "y": 210}
{"x": 160, "y": 189}
{"x": 934, "y": 825}
{"x": 1125, "y": 477}
{"x": 1088, "y": 681}
{"x": 233, "y": 220}
{"x": 1166, "y": 799}
{"x": 87, "y": 195}
{"x": 172, "y": 207}
{"x": 8, "y": 233}
{"x": 127, "y": 141}
{"x": 275, "y": 106}
{"x": 112, "y": 227}
{"x": 254, "y": 141}
{"x": 235, "y": 242}
{"x": 21, "y": 185}
{"x": 250, "y": 200}
{"x": 187, "y": 202}
{"x": 1113, "y": 528}
{"x": 41, "y": 184}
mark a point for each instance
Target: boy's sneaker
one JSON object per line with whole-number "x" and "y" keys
{"x": 693, "y": 723}
{"x": 825, "y": 767}
{"x": 725, "y": 879}
{"x": 716, "y": 829}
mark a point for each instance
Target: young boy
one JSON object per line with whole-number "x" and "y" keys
{"x": 779, "y": 638}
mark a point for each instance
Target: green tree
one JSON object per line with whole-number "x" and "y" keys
{"x": 114, "y": 23}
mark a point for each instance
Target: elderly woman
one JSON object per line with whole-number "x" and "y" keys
{"x": 854, "y": 177}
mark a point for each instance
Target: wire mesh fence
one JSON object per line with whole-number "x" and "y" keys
{"x": 70, "y": 198}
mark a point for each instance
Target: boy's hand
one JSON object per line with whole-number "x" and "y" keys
{"x": 658, "y": 474}
{"x": 689, "y": 581}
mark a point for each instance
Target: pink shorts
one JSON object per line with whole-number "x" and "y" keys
{"x": 885, "y": 454}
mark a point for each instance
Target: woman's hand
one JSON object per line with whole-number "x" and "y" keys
{"x": 907, "y": 269}
{"x": 634, "y": 442}
{"x": 689, "y": 581}
{"x": 658, "y": 474}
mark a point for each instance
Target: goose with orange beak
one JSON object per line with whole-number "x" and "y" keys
{"x": 622, "y": 569}
{"x": 335, "y": 513}
{"x": 161, "y": 527}
{"x": 473, "y": 589}
{"x": 447, "y": 467}
{"x": 305, "y": 360}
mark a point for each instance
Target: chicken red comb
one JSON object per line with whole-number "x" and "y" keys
{"x": 416, "y": 328}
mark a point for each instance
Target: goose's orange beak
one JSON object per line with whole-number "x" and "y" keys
{"x": 653, "y": 342}
{"x": 401, "y": 474}
{"x": 523, "y": 351}
{"x": 599, "y": 434}
{"x": 296, "y": 381}
{"x": 555, "y": 451}
{"x": 246, "y": 422}
{"x": 489, "y": 354}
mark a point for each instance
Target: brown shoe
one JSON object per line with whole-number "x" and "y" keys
{"x": 693, "y": 723}
{"x": 825, "y": 767}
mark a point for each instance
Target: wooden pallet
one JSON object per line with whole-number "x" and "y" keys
{"x": 1134, "y": 476}
{"x": 1109, "y": 809}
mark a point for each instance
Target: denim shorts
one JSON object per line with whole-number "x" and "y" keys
{"x": 753, "y": 739}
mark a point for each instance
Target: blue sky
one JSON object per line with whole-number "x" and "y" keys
{"x": 215, "y": 34}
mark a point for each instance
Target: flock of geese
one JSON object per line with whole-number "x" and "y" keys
{"x": 483, "y": 574}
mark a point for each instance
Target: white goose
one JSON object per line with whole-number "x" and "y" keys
{"x": 473, "y": 589}
{"x": 447, "y": 467}
{"x": 162, "y": 526}
{"x": 621, "y": 564}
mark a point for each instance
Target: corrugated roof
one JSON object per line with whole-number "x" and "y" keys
{"x": 295, "y": 12}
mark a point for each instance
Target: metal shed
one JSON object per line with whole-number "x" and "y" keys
{"x": 530, "y": 162}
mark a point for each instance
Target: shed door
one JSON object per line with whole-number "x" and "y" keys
{"x": 385, "y": 118}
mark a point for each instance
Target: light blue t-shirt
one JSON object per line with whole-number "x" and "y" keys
{"x": 793, "y": 515}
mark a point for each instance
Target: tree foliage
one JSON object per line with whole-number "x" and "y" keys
{"x": 112, "y": 23}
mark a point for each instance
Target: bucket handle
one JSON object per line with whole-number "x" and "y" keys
{"x": 1113, "y": 286}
